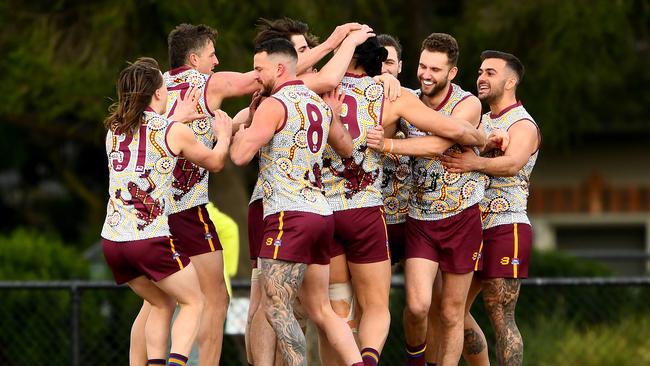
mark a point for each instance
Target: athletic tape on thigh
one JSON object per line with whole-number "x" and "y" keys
{"x": 255, "y": 274}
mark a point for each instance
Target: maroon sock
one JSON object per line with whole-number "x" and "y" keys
{"x": 370, "y": 356}
{"x": 415, "y": 354}
{"x": 157, "y": 361}
{"x": 177, "y": 360}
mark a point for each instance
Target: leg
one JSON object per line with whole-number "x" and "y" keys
{"x": 261, "y": 338}
{"x": 209, "y": 268}
{"x": 452, "y": 313}
{"x": 339, "y": 277}
{"x": 371, "y": 283}
{"x": 138, "y": 344}
{"x": 159, "y": 311}
{"x": 419, "y": 274}
{"x": 184, "y": 287}
{"x": 315, "y": 300}
{"x": 281, "y": 281}
{"x": 433, "y": 323}
{"x": 500, "y": 296}
{"x": 475, "y": 350}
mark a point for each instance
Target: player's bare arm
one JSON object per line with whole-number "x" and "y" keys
{"x": 409, "y": 107}
{"x": 523, "y": 142}
{"x": 309, "y": 58}
{"x": 228, "y": 84}
{"x": 331, "y": 74}
{"x": 182, "y": 141}
{"x": 247, "y": 141}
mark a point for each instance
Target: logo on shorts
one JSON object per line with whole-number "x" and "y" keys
{"x": 269, "y": 241}
{"x": 176, "y": 255}
{"x": 277, "y": 243}
{"x": 476, "y": 256}
{"x": 515, "y": 261}
{"x": 208, "y": 236}
{"x": 505, "y": 261}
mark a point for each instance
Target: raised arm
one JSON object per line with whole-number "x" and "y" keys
{"x": 309, "y": 58}
{"x": 523, "y": 142}
{"x": 267, "y": 120}
{"x": 330, "y": 75}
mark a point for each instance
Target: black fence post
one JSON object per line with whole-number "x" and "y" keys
{"x": 75, "y": 302}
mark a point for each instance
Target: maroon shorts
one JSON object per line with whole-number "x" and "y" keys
{"x": 361, "y": 234}
{"x": 155, "y": 258}
{"x": 255, "y": 230}
{"x": 453, "y": 242}
{"x": 299, "y": 237}
{"x": 396, "y": 241}
{"x": 506, "y": 251}
{"x": 194, "y": 232}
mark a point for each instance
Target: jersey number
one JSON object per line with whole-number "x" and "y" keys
{"x": 315, "y": 131}
{"x": 349, "y": 116}
{"x": 120, "y": 165}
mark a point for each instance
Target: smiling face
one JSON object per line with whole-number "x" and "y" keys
{"x": 493, "y": 75}
{"x": 434, "y": 72}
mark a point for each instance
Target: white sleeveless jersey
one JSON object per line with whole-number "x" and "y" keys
{"x": 506, "y": 198}
{"x": 190, "y": 185}
{"x": 356, "y": 182}
{"x": 291, "y": 164}
{"x": 140, "y": 168}
{"x": 436, "y": 193}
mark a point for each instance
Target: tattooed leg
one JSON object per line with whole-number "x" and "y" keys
{"x": 500, "y": 296}
{"x": 474, "y": 344}
{"x": 281, "y": 282}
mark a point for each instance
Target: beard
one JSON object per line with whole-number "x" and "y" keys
{"x": 437, "y": 87}
{"x": 493, "y": 94}
{"x": 267, "y": 90}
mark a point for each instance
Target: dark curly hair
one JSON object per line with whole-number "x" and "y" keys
{"x": 369, "y": 55}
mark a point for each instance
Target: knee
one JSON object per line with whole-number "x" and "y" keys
{"x": 452, "y": 314}
{"x": 417, "y": 309}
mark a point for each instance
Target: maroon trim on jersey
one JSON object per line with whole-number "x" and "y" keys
{"x": 290, "y": 82}
{"x": 444, "y": 101}
{"x": 461, "y": 99}
{"x": 493, "y": 116}
{"x": 353, "y": 75}
{"x": 286, "y": 114}
{"x": 169, "y": 127}
{"x": 178, "y": 70}
{"x": 180, "y": 86}
{"x": 205, "y": 95}
{"x": 149, "y": 109}
{"x": 539, "y": 132}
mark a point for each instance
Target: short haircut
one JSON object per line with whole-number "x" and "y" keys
{"x": 386, "y": 40}
{"x": 277, "y": 46}
{"x": 185, "y": 39}
{"x": 442, "y": 42}
{"x": 511, "y": 61}
{"x": 283, "y": 28}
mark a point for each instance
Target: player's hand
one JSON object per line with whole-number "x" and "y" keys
{"x": 255, "y": 102}
{"x": 186, "y": 106}
{"x": 375, "y": 139}
{"x": 498, "y": 139}
{"x": 467, "y": 161}
{"x": 359, "y": 36}
{"x": 341, "y": 32}
{"x": 392, "y": 86}
{"x": 334, "y": 99}
{"x": 222, "y": 124}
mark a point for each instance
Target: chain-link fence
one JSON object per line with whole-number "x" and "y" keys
{"x": 564, "y": 321}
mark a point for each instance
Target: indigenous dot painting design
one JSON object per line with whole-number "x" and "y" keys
{"x": 437, "y": 193}
{"x": 506, "y": 198}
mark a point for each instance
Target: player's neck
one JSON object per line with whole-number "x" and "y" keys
{"x": 502, "y": 103}
{"x": 355, "y": 70}
{"x": 435, "y": 100}
{"x": 282, "y": 80}
{"x": 158, "y": 106}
